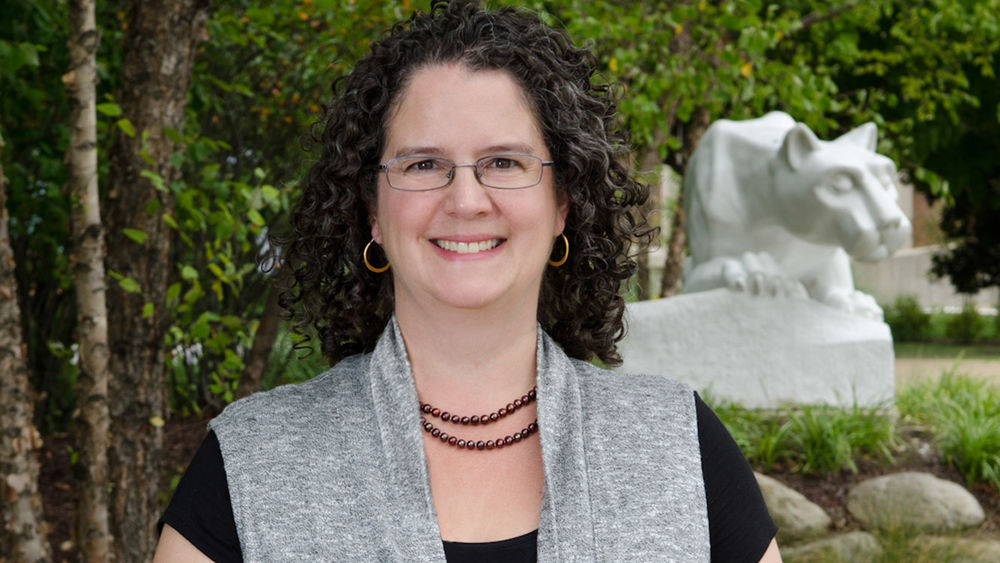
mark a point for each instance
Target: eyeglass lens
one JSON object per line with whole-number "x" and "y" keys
{"x": 505, "y": 171}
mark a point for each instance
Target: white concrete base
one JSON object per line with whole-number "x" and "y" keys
{"x": 761, "y": 352}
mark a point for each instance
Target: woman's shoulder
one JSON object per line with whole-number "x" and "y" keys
{"x": 596, "y": 379}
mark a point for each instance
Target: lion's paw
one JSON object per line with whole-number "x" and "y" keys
{"x": 854, "y": 302}
{"x": 756, "y": 273}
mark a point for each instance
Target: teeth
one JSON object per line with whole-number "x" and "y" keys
{"x": 467, "y": 247}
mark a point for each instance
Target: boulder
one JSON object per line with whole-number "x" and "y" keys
{"x": 914, "y": 502}
{"x": 796, "y": 516}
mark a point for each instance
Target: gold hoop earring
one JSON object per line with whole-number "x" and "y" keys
{"x": 364, "y": 256}
{"x": 561, "y": 261}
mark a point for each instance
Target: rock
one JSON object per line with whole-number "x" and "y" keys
{"x": 914, "y": 503}
{"x": 760, "y": 351}
{"x": 857, "y": 547}
{"x": 796, "y": 516}
{"x": 957, "y": 550}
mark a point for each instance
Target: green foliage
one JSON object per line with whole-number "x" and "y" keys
{"x": 218, "y": 294}
{"x": 967, "y": 326}
{"x": 288, "y": 365}
{"x": 829, "y": 439}
{"x": 264, "y": 75}
{"x": 812, "y": 439}
{"x": 33, "y": 115}
{"x": 963, "y": 414}
{"x": 908, "y": 320}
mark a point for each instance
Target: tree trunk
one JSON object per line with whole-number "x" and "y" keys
{"x": 674, "y": 266}
{"x": 92, "y": 419}
{"x": 263, "y": 340}
{"x": 22, "y": 535}
{"x": 159, "y": 51}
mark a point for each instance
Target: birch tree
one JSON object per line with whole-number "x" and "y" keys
{"x": 92, "y": 419}
{"x": 22, "y": 536}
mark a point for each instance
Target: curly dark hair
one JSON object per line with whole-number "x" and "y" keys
{"x": 580, "y": 306}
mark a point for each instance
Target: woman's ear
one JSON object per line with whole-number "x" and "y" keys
{"x": 373, "y": 221}
{"x": 376, "y": 233}
{"x": 562, "y": 209}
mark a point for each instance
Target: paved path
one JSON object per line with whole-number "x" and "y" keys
{"x": 917, "y": 369}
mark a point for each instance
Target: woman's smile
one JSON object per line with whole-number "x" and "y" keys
{"x": 470, "y": 247}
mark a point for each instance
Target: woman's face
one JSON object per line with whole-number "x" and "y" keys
{"x": 451, "y": 112}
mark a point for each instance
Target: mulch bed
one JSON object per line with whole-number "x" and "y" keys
{"x": 183, "y": 435}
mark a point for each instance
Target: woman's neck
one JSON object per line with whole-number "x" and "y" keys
{"x": 469, "y": 360}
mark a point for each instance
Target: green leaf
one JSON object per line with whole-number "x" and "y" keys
{"x": 260, "y": 16}
{"x": 147, "y": 310}
{"x": 200, "y": 330}
{"x": 217, "y": 271}
{"x": 209, "y": 316}
{"x": 126, "y": 126}
{"x": 173, "y": 291}
{"x": 110, "y": 109}
{"x": 135, "y": 234}
{"x": 29, "y": 53}
{"x": 155, "y": 178}
{"x": 130, "y": 285}
{"x": 174, "y": 135}
{"x": 255, "y": 217}
{"x": 270, "y": 194}
{"x": 189, "y": 273}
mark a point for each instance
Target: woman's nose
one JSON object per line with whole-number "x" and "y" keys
{"x": 465, "y": 195}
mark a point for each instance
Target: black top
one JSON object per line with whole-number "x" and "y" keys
{"x": 739, "y": 525}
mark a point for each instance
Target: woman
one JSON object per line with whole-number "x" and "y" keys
{"x": 462, "y": 237}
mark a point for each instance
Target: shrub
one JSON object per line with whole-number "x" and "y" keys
{"x": 810, "y": 439}
{"x": 830, "y": 439}
{"x": 967, "y": 326}
{"x": 908, "y": 320}
{"x": 964, "y": 414}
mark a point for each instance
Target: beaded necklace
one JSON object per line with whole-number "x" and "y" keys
{"x": 480, "y": 420}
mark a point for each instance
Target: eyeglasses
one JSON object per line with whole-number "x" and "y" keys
{"x": 509, "y": 171}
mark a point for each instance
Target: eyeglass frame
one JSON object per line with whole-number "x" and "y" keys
{"x": 474, "y": 165}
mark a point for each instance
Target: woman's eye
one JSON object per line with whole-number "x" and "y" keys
{"x": 422, "y": 166}
{"x": 502, "y": 163}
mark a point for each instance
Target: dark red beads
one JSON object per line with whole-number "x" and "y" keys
{"x": 490, "y": 418}
{"x": 480, "y": 445}
{"x": 446, "y": 416}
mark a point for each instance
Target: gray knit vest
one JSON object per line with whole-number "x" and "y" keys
{"x": 333, "y": 469}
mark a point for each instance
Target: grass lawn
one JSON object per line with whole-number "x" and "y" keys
{"x": 932, "y": 350}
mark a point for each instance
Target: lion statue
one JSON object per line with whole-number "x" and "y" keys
{"x": 772, "y": 210}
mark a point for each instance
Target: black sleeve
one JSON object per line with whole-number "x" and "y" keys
{"x": 739, "y": 525}
{"x": 201, "y": 509}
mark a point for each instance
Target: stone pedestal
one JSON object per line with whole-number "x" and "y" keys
{"x": 761, "y": 352}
